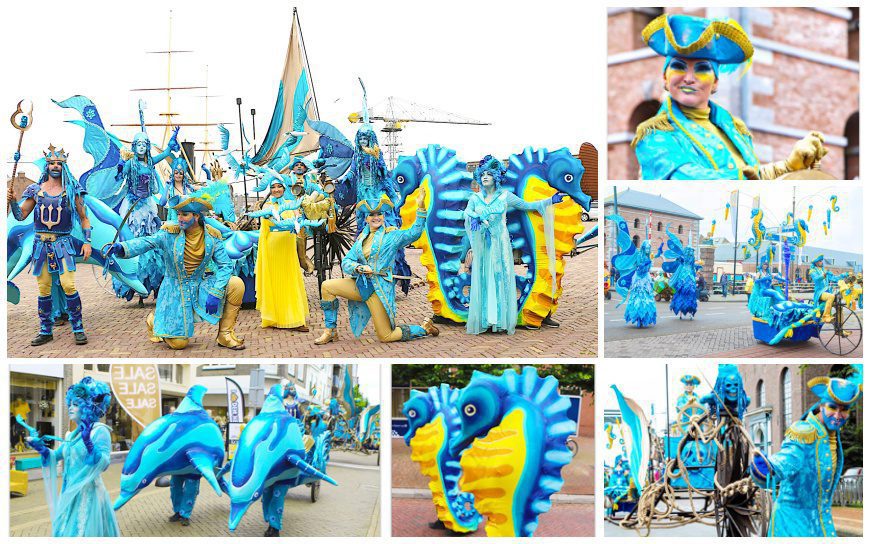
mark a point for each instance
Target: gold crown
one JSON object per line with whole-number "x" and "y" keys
{"x": 55, "y": 154}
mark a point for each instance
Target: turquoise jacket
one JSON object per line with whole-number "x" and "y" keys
{"x": 807, "y": 477}
{"x": 182, "y": 296}
{"x": 821, "y": 278}
{"x": 672, "y": 146}
{"x": 386, "y": 245}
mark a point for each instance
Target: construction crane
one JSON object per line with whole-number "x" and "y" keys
{"x": 396, "y": 112}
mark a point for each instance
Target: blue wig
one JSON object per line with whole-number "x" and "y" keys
{"x": 362, "y": 159}
{"x": 493, "y": 166}
{"x": 92, "y": 397}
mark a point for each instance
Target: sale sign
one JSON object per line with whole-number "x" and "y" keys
{"x": 137, "y": 390}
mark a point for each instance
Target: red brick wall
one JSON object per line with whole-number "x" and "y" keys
{"x": 656, "y": 236}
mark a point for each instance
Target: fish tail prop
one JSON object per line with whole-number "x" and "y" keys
{"x": 308, "y": 470}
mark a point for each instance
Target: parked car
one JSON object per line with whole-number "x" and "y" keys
{"x": 592, "y": 214}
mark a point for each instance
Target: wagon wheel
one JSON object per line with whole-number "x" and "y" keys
{"x": 843, "y": 334}
{"x": 335, "y": 244}
{"x": 315, "y": 491}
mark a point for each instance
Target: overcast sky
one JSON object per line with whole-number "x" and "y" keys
{"x": 369, "y": 374}
{"x": 510, "y": 64}
{"x": 708, "y": 200}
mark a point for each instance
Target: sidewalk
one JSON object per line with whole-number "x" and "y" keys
{"x": 848, "y": 521}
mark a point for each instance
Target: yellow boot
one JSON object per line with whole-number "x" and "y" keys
{"x": 149, "y": 322}
{"x": 226, "y": 334}
{"x": 329, "y": 335}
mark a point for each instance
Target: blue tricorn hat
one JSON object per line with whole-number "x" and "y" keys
{"x": 197, "y": 202}
{"x": 721, "y": 41}
{"x": 688, "y": 379}
{"x": 371, "y": 205}
{"x": 842, "y": 391}
{"x": 297, "y": 160}
{"x": 821, "y": 257}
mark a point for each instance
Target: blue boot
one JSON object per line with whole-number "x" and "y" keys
{"x": 330, "y": 321}
{"x": 74, "y": 305}
{"x": 43, "y": 308}
{"x": 413, "y": 332}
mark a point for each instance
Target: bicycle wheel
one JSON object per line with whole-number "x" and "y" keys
{"x": 843, "y": 334}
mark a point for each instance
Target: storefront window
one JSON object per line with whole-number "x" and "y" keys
{"x": 35, "y": 399}
{"x": 122, "y": 427}
{"x": 165, "y": 372}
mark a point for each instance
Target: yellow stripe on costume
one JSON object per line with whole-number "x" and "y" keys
{"x": 491, "y": 471}
{"x": 427, "y": 442}
{"x": 568, "y": 224}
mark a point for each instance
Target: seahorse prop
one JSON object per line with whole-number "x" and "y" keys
{"x": 531, "y": 175}
{"x": 517, "y": 426}
{"x": 433, "y": 418}
{"x": 801, "y": 230}
{"x": 757, "y": 228}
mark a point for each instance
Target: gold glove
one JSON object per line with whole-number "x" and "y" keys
{"x": 806, "y": 152}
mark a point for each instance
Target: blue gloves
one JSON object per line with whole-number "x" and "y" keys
{"x": 475, "y": 224}
{"x": 760, "y": 468}
{"x": 211, "y": 304}
{"x": 39, "y": 446}
{"x": 173, "y": 140}
{"x": 115, "y": 249}
{"x": 558, "y": 197}
{"x": 86, "y": 436}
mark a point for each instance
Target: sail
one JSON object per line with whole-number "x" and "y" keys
{"x": 290, "y": 113}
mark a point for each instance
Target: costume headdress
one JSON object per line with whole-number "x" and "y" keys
{"x": 198, "y": 202}
{"x": 723, "y": 42}
{"x": 298, "y": 160}
{"x": 819, "y": 258}
{"x": 842, "y": 391}
{"x": 92, "y": 397}
{"x": 371, "y": 205}
{"x": 688, "y": 379}
{"x": 493, "y": 166}
{"x": 53, "y": 154}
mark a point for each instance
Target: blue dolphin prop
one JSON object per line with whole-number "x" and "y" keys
{"x": 185, "y": 442}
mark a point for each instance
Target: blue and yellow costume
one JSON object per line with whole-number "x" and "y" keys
{"x": 808, "y": 467}
{"x": 688, "y": 396}
{"x": 54, "y": 252}
{"x": 821, "y": 279}
{"x": 760, "y": 300}
{"x": 198, "y": 284}
{"x": 372, "y": 296}
{"x": 682, "y": 142}
{"x": 178, "y": 165}
{"x": 82, "y": 508}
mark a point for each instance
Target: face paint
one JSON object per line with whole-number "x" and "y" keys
{"x": 375, "y": 220}
{"x": 487, "y": 180}
{"x": 690, "y": 82}
{"x": 54, "y": 173}
{"x": 834, "y": 416}
{"x": 140, "y": 147}
{"x": 186, "y": 220}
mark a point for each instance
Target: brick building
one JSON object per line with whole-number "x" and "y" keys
{"x": 804, "y": 77}
{"x": 778, "y": 397}
{"x": 638, "y": 209}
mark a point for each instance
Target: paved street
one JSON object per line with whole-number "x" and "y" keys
{"x": 721, "y": 328}
{"x": 411, "y": 517}
{"x": 116, "y": 328}
{"x": 352, "y": 509}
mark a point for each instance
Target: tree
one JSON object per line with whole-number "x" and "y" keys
{"x": 572, "y": 378}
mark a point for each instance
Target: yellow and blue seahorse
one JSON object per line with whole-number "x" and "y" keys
{"x": 757, "y": 228}
{"x": 433, "y": 417}
{"x": 801, "y": 230}
{"x": 531, "y": 175}
{"x": 517, "y": 426}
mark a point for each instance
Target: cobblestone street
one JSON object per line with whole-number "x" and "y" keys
{"x": 116, "y": 328}
{"x": 351, "y": 509}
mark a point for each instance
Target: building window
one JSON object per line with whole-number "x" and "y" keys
{"x": 759, "y": 394}
{"x": 680, "y": 229}
{"x": 165, "y": 372}
{"x": 636, "y": 239}
{"x": 659, "y": 226}
{"x": 785, "y": 395}
{"x": 636, "y": 223}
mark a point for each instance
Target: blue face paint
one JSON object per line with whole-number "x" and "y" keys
{"x": 186, "y": 223}
{"x": 834, "y": 416}
{"x": 54, "y": 173}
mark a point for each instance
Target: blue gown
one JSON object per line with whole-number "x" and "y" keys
{"x": 759, "y": 302}
{"x": 640, "y": 306}
{"x": 82, "y": 508}
{"x": 493, "y": 298}
{"x": 685, "y": 299}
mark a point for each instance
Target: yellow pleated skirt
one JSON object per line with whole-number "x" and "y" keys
{"x": 281, "y": 298}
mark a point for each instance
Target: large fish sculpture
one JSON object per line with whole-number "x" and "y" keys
{"x": 531, "y": 175}
{"x": 184, "y": 442}
{"x": 433, "y": 418}
{"x": 271, "y": 451}
{"x": 622, "y": 262}
{"x": 517, "y": 426}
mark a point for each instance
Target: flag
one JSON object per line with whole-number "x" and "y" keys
{"x": 235, "y": 415}
{"x": 638, "y": 426}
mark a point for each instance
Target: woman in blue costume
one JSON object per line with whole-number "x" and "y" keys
{"x": 493, "y": 298}
{"x": 805, "y": 472}
{"x": 760, "y": 301}
{"x": 58, "y": 200}
{"x": 82, "y": 508}
{"x": 634, "y": 283}
{"x": 682, "y": 269}
{"x": 369, "y": 287}
{"x": 180, "y": 185}
{"x": 688, "y": 395}
{"x": 821, "y": 279}
{"x": 692, "y": 137}
{"x": 139, "y": 182}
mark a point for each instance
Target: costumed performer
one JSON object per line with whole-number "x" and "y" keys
{"x": 692, "y": 137}
{"x": 58, "y": 199}
{"x": 82, "y": 508}
{"x": 808, "y": 467}
{"x": 189, "y": 249}
{"x": 821, "y": 279}
{"x": 759, "y": 300}
{"x": 369, "y": 289}
{"x": 493, "y": 297}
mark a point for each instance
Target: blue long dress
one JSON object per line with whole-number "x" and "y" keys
{"x": 685, "y": 299}
{"x": 493, "y": 298}
{"x": 640, "y": 308}
{"x": 759, "y": 302}
{"x": 83, "y": 507}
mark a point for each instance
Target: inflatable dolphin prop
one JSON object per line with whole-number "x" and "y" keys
{"x": 187, "y": 441}
{"x": 270, "y": 451}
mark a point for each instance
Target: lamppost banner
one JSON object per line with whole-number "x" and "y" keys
{"x": 137, "y": 390}
{"x": 235, "y": 415}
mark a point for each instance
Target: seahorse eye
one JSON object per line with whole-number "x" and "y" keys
{"x": 412, "y": 413}
{"x": 569, "y": 178}
{"x": 400, "y": 179}
{"x": 470, "y": 410}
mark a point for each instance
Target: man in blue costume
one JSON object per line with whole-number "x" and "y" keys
{"x": 808, "y": 467}
{"x": 58, "y": 199}
{"x": 821, "y": 279}
{"x": 692, "y": 137}
{"x": 198, "y": 285}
